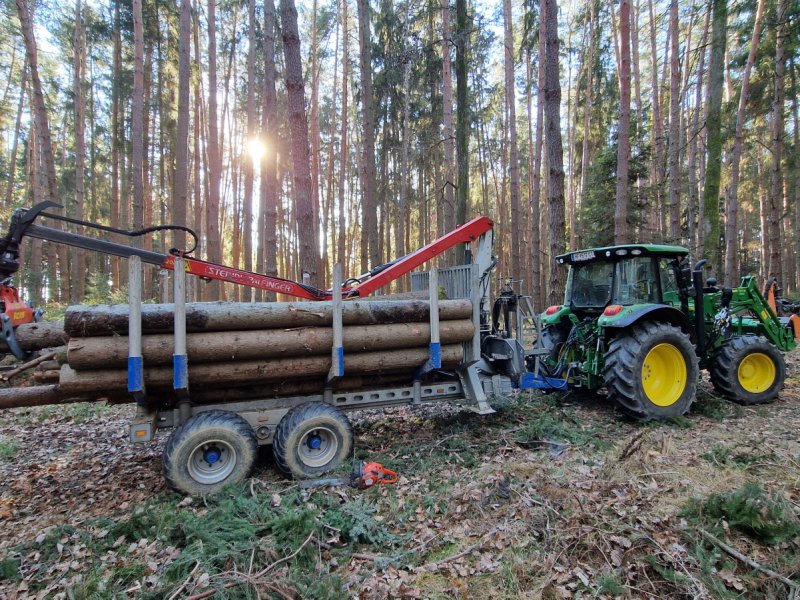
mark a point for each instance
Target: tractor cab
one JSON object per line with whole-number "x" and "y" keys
{"x": 621, "y": 275}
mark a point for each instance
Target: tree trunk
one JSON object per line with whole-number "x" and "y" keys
{"x": 462, "y": 111}
{"x": 213, "y": 248}
{"x": 775, "y": 206}
{"x": 534, "y": 163}
{"x": 621, "y": 228}
{"x": 341, "y": 255}
{"x": 716, "y": 68}
{"x": 238, "y": 373}
{"x": 555, "y": 157}
{"x": 695, "y": 222}
{"x": 88, "y": 321}
{"x": 657, "y": 133}
{"x": 137, "y": 121}
{"x": 228, "y": 346}
{"x": 269, "y": 173}
{"x": 370, "y": 257}
{"x": 180, "y": 194}
{"x": 732, "y": 203}
{"x": 315, "y": 141}
{"x": 307, "y": 242}
{"x": 587, "y": 109}
{"x": 674, "y": 126}
{"x": 252, "y": 144}
{"x": 449, "y": 167}
{"x": 37, "y": 100}
{"x": 77, "y": 267}
{"x": 513, "y": 164}
{"x": 12, "y": 163}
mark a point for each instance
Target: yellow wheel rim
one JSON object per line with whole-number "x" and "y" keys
{"x": 756, "y": 372}
{"x": 664, "y": 375}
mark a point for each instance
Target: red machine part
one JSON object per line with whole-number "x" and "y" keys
{"x": 374, "y": 473}
{"x": 368, "y": 283}
{"x": 17, "y": 310}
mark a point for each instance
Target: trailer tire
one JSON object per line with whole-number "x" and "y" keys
{"x": 747, "y": 369}
{"x": 651, "y": 371}
{"x": 311, "y": 439}
{"x": 210, "y": 450}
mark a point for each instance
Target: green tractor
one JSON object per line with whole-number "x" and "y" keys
{"x": 637, "y": 320}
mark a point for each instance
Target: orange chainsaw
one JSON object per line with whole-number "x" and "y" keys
{"x": 365, "y": 475}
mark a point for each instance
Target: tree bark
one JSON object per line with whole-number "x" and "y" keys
{"x": 213, "y": 247}
{"x": 180, "y": 194}
{"x": 238, "y": 373}
{"x": 513, "y": 164}
{"x": 674, "y": 126}
{"x": 77, "y": 267}
{"x": 37, "y": 100}
{"x": 341, "y": 255}
{"x": 462, "y": 111}
{"x": 307, "y": 241}
{"x": 719, "y": 19}
{"x": 732, "y": 203}
{"x": 226, "y": 346}
{"x": 621, "y": 228}
{"x": 449, "y": 168}
{"x": 370, "y": 256}
{"x": 269, "y": 166}
{"x": 775, "y": 206}
{"x": 555, "y": 154}
{"x": 657, "y": 134}
{"x": 88, "y": 321}
{"x": 12, "y": 163}
{"x": 252, "y": 142}
{"x": 534, "y": 163}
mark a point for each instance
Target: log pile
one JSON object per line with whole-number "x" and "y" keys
{"x": 241, "y": 351}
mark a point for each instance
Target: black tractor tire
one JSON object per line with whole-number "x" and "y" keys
{"x": 552, "y": 338}
{"x": 210, "y": 450}
{"x": 651, "y": 371}
{"x": 311, "y": 439}
{"x": 747, "y": 369}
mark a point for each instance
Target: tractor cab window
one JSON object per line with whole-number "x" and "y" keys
{"x": 634, "y": 282}
{"x": 589, "y": 286}
{"x": 669, "y": 283}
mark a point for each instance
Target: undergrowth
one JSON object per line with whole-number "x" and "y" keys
{"x": 766, "y": 518}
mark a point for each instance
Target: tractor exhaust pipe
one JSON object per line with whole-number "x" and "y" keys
{"x": 699, "y": 308}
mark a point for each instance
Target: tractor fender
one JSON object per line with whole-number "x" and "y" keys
{"x": 651, "y": 312}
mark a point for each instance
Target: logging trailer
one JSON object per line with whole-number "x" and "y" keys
{"x": 628, "y": 323}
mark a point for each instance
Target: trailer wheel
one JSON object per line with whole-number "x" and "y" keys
{"x": 651, "y": 371}
{"x": 311, "y": 439}
{"x": 209, "y": 451}
{"x": 748, "y": 369}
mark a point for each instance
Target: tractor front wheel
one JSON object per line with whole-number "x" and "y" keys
{"x": 651, "y": 371}
{"x": 748, "y": 369}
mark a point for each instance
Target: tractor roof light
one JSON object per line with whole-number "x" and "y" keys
{"x": 551, "y": 310}
{"x": 612, "y": 310}
{"x": 636, "y": 251}
{"x": 621, "y": 252}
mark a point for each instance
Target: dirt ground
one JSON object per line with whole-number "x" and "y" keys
{"x": 555, "y": 496}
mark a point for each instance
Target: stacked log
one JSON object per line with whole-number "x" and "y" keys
{"x": 241, "y": 351}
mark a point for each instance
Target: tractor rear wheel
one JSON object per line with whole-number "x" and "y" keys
{"x": 748, "y": 369}
{"x": 651, "y": 371}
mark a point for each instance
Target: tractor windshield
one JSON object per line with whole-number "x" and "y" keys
{"x": 589, "y": 286}
{"x": 634, "y": 282}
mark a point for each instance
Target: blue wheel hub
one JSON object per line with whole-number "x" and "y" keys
{"x": 314, "y": 441}
{"x": 212, "y": 455}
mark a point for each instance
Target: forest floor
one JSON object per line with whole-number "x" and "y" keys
{"x": 553, "y": 496}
